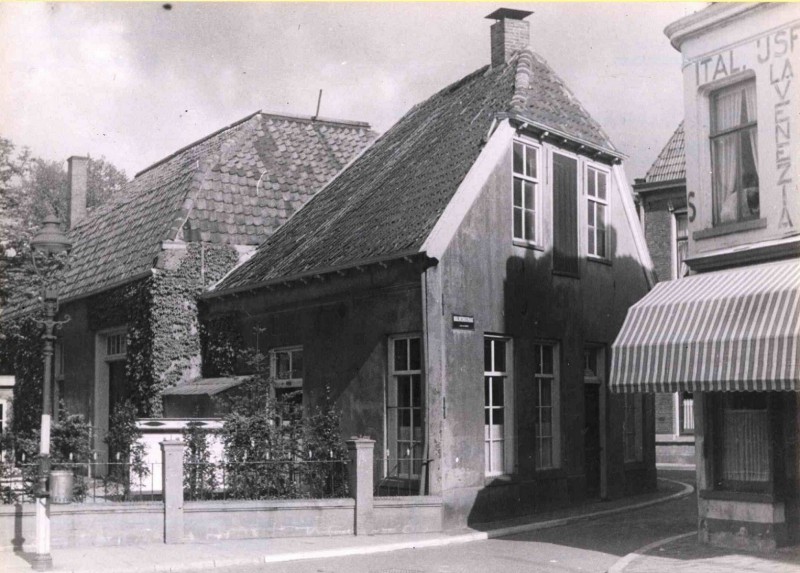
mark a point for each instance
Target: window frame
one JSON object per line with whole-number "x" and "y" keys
{"x": 676, "y": 262}
{"x": 637, "y": 401}
{"x": 555, "y": 409}
{"x": 721, "y": 404}
{"x": 391, "y": 418}
{"x": 507, "y": 467}
{"x": 294, "y": 382}
{"x": 596, "y": 201}
{"x": 715, "y": 134}
{"x": 537, "y": 182}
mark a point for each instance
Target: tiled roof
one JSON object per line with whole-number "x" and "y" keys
{"x": 671, "y": 162}
{"x": 236, "y": 186}
{"x": 388, "y": 200}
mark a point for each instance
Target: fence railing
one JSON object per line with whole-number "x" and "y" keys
{"x": 287, "y": 479}
{"x": 92, "y": 482}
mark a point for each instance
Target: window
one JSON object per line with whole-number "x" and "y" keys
{"x": 632, "y": 427}
{"x": 742, "y": 424}
{"x": 548, "y": 423}
{"x": 286, "y": 371}
{"x": 734, "y": 153}
{"x": 526, "y": 190}
{"x": 497, "y": 406}
{"x": 681, "y": 244}
{"x": 404, "y": 404}
{"x": 597, "y": 213}
{"x": 116, "y": 345}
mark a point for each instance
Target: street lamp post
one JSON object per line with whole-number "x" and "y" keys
{"x": 50, "y": 241}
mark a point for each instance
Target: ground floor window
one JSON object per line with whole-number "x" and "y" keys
{"x": 497, "y": 405}
{"x": 632, "y": 430}
{"x": 548, "y": 420}
{"x": 404, "y": 405}
{"x": 286, "y": 371}
{"x": 742, "y": 459}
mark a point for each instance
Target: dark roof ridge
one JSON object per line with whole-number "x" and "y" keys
{"x": 316, "y": 119}
{"x": 194, "y": 143}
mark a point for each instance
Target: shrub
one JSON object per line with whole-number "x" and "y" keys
{"x": 124, "y": 444}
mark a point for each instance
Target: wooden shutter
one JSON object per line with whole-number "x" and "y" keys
{"x": 565, "y": 213}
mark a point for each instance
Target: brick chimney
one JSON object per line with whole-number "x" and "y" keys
{"x": 78, "y": 181}
{"x": 509, "y": 34}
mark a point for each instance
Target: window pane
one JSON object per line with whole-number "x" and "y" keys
{"x": 416, "y": 396}
{"x": 601, "y": 216}
{"x": 487, "y": 396}
{"x": 497, "y": 457}
{"x": 530, "y": 157}
{"x": 601, "y": 185}
{"x": 601, "y": 243}
{"x": 405, "y": 424}
{"x": 530, "y": 198}
{"x": 530, "y": 225}
{"x": 590, "y": 213}
{"x": 401, "y": 354}
{"x": 497, "y": 391}
{"x": 518, "y": 223}
{"x": 404, "y": 391}
{"x": 497, "y": 417}
{"x": 518, "y": 157}
{"x": 547, "y": 359}
{"x": 487, "y": 354}
{"x": 282, "y": 365}
{"x": 537, "y": 359}
{"x": 591, "y": 190}
{"x": 518, "y": 192}
{"x": 545, "y": 391}
{"x": 499, "y": 355}
{"x": 681, "y": 229}
{"x": 487, "y": 415}
{"x": 414, "y": 354}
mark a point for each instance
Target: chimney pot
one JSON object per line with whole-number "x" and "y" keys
{"x": 509, "y": 34}
{"x": 78, "y": 184}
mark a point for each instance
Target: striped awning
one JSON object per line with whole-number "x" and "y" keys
{"x": 729, "y": 330}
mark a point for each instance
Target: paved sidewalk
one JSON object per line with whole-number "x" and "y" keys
{"x": 683, "y": 554}
{"x": 193, "y": 556}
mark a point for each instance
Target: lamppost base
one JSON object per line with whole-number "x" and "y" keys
{"x": 42, "y": 562}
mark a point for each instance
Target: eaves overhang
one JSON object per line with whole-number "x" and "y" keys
{"x": 322, "y": 274}
{"x": 659, "y": 185}
{"x": 717, "y": 14}
{"x": 558, "y": 137}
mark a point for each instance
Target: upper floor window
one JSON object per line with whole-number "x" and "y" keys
{"x": 681, "y": 244}
{"x": 526, "y": 192}
{"x": 734, "y": 153}
{"x": 597, "y": 212}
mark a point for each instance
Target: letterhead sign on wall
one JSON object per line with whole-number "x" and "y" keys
{"x": 463, "y": 322}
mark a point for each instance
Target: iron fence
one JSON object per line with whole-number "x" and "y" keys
{"x": 276, "y": 479}
{"x": 92, "y": 482}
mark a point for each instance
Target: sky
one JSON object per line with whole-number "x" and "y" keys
{"x": 134, "y": 82}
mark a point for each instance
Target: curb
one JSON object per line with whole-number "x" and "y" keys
{"x": 620, "y": 565}
{"x": 387, "y": 547}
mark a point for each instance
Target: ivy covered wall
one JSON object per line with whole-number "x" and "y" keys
{"x": 163, "y": 339}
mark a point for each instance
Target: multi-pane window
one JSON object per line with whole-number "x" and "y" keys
{"x": 405, "y": 407}
{"x": 681, "y": 243}
{"x": 495, "y": 404}
{"x": 597, "y": 212}
{"x": 743, "y": 460}
{"x": 547, "y": 407}
{"x": 734, "y": 153}
{"x": 632, "y": 431}
{"x": 286, "y": 370}
{"x": 116, "y": 345}
{"x": 526, "y": 184}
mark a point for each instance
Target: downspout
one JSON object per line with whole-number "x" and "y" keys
{"x": 424, "y": 478}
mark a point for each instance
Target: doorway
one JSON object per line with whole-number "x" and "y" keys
{"x": 594, "y": 435}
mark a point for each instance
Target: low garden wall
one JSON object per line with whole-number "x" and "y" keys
{"x": 174, "y": 520}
